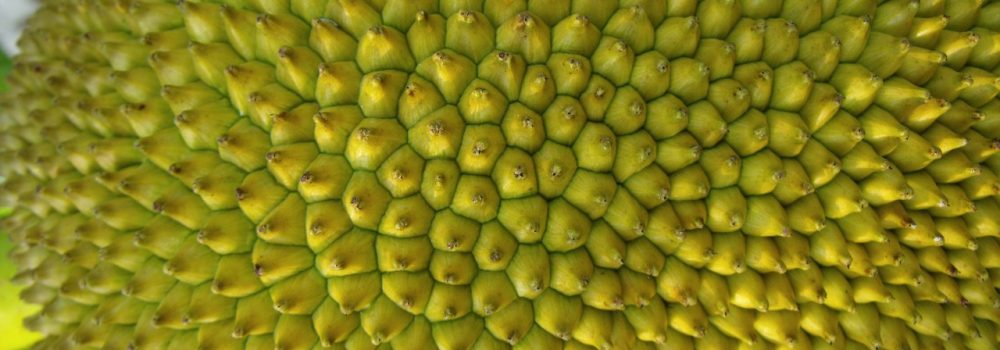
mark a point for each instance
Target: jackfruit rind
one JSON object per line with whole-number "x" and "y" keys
{"x": 459, "y": 174}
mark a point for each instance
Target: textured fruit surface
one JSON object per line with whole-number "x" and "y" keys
{"x": 493, "y": 174}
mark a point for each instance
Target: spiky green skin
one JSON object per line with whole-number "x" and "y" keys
{"x": 540, "y": 174}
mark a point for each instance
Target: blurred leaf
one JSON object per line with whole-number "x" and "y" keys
{"x": 5, "y": 65}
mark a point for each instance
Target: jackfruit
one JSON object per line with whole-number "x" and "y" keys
{"x": 497, "y": 174}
